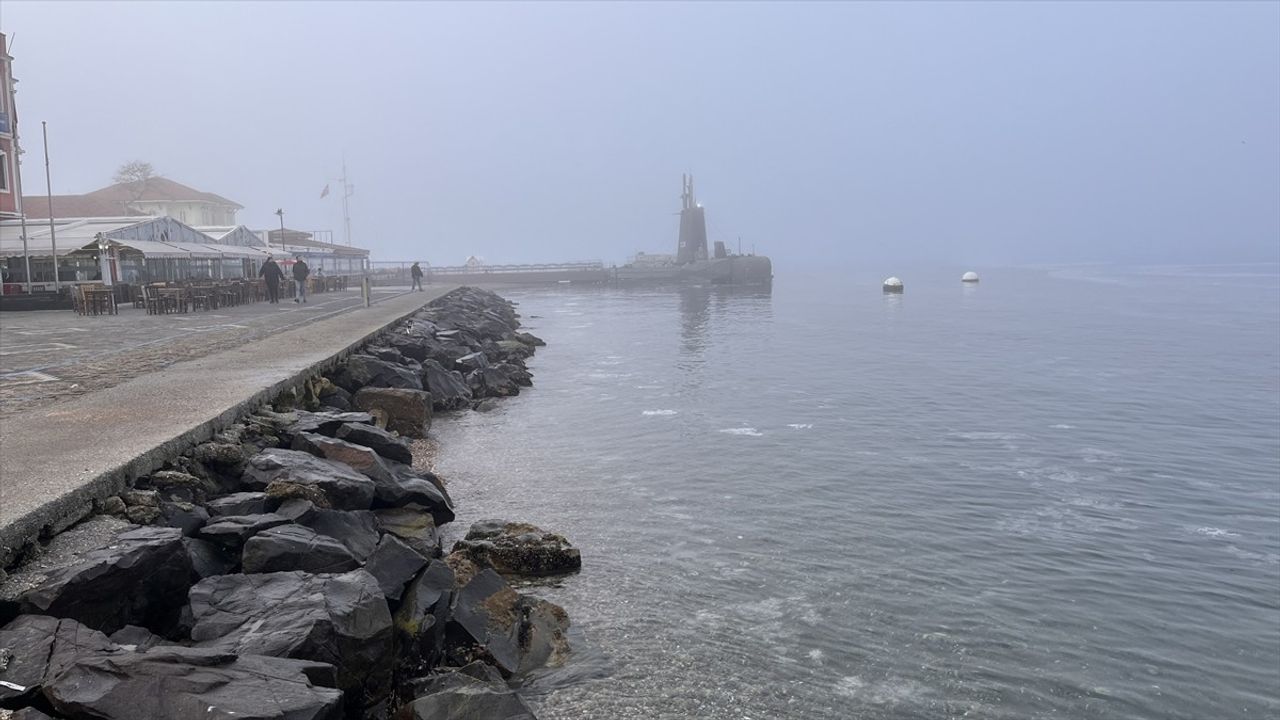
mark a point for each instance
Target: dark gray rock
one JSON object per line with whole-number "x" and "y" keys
{"x": 335, "y": 397}
{"x": 409, "y": 487}
{"x": 517, "y": 374}
{"x": 231, "y": 531}
{"x": 529, "y": 339}
{"x": 142, "y": 514}
{"x": 416, "y": 527}
{"x": 139, "y": 580}
{"x": 30, "y": 713}
{"x": 358, "y": 530}
{"x": 449, "y": 391}
{"x": 393, "y": 564}
{"x": 386, "y": 354}
{"x": 35, "y": 648}
{"x": 296, "y": 509}
{"x": 471, "y": 361}
{"x": 176, "y": 683}
{"x": 518, "y": 549}
{"x": 181, "y": 486}
{"x": 404, "y": 411}
{"x": 391, "y": 447}
{"x": 485, "y": 623}
{"x": 141, "y": 498}
{"x": 460, "y": 696}
{"x": 362, "y": 371}
{"x": 185, "y": 516}
{"x": 343, "y": 487}
{"x": 491, "y": 382}
{"x": 294, "y": 547}
{"x": 327, "y": 618}
{"x": 207, "y": 559}
{"x": 241, "y": 503}
{"x": 323, "y": 423}
{"x": 421, "y": 618}
{"x": 493, "y": 623}
{"x": 134, "y": 638}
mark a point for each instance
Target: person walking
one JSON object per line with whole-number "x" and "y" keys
{"x": 416, "y": 272}
{"x": 300, "y": 273}
{"x": 271, "y": 273}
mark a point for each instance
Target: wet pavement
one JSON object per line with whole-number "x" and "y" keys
{"x": 47, "y": 356}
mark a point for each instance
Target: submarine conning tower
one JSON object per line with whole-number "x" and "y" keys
{"x": 693, "y": 226}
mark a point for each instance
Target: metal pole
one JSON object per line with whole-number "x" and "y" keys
{"x": 48, "y": 183}
{"x": 22, "y": 215}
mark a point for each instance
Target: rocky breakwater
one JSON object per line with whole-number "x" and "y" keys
{"x": 292, "y": 568}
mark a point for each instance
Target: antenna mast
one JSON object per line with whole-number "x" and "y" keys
{"x": 347, "y": 191}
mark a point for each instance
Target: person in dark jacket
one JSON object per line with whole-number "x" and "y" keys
{"x": 300, "y": 273}
{"x": 416, "y": 272}
{"x": 271, "y": 273}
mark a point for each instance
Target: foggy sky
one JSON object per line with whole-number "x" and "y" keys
{"x": 834, "y": 134}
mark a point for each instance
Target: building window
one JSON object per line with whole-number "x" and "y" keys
{"x": 4, "y": 171}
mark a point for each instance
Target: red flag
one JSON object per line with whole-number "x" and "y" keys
{"x": 324, "y": 192}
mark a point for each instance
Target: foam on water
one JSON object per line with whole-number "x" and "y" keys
{"x": 660, "y": 412}
{"x": 748, "y": 431}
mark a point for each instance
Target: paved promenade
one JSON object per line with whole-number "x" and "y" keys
{"x": 58, "y": 454}
{"x": 49, "y": 355}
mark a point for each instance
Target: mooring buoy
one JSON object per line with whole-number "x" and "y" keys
{"x": 893, "y": 285}
{"x": 970, "y": 276}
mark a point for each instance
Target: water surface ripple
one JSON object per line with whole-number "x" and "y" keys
{"x": 1056, "y": 494}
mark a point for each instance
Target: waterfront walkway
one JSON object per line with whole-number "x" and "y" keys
{"x": 58, "y": 454}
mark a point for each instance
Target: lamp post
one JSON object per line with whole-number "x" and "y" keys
{"x": 104, "y": 259}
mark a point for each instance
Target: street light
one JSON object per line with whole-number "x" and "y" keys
{"x": 280, "y": 212}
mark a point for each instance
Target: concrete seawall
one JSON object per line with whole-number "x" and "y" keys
{"x": 56, "y": 461}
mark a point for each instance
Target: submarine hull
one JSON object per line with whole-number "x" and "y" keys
{"x": 733, "y": 270}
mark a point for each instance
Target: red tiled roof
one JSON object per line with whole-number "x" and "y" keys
{"x": 159, "y": 189}
{"x": 113, "y": 200}
{"x": 74, "y": 206}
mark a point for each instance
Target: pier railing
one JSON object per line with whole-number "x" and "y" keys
{"x": 397, "y": 272}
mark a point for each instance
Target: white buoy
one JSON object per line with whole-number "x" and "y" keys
{"x": 893, "y": 285}
{"x": 970, "y": 276}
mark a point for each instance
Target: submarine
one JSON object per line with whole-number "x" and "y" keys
{"x": 692, "y": 264}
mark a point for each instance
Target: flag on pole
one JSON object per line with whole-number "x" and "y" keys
{"x": 325, "y": 191}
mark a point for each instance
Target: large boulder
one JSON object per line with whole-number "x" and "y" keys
{"x": 181, "y": 486}
{"x": 341, "y": 619}
{"x": 343, "y": 487}
{"x": 294, "y": 547}
{"x": 138, "y": 580}
{"x": 170, "y": 682}
{"x": 485, "y": 623}
{"x": 471, "y": 361}
{"x": 391, "y": 447}
{"x": 35, "y": 648}
{"x": 363, "y": 371}
{"x": 358, "y": 531}
{"x": 449, "y": 391}
{"x": 421, "y": 617}
{"x": 393, "y": 564}
{"x": 414, "y": 526}
{"x": 529, "y": 339}
{"x": 185, "y": 516}
{"x": 460, "y": 695}
{"x": 518, "y": 549}
{"x": 404, "y": 411}
{"x": 492, "y": 622}
{"x": 323, "y": 423}
{"x": 491, "y": 381}
{"x": 207, "y": 558}
{"x": 410, "y": 487}
{"x": 232, "y": 531}
{"x": 241, "y": 503}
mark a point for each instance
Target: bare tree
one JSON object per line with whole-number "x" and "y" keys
{"x": 135, "y": 174}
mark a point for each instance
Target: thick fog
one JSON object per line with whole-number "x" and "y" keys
{"x": 832, "y": 134}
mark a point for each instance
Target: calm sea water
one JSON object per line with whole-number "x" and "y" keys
{"x": 1055, "y": 494}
